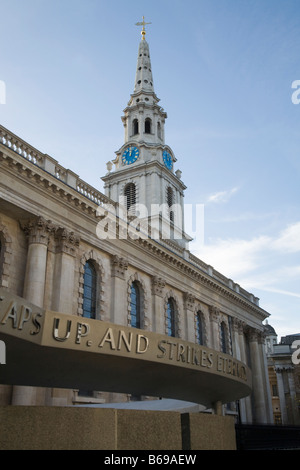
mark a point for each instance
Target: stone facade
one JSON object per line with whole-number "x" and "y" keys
{"x": 49, "y": 221}
{"x": 284, "y": 376}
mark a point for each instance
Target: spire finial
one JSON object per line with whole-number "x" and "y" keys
{"x": 142, "y": 23}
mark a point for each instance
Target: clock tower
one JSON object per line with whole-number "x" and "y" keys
{"x": 143, "y": 178}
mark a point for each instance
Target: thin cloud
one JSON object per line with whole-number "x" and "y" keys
{"x": 222, "y": 196}
{"x": 251, "y": 262}
{"x": 289, "y": 240}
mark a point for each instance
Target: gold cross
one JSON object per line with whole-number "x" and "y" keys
{"x": 143, "y": 23}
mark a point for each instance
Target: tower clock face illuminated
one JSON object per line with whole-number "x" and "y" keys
{"x": 130, "y": 155}
{"x": 167, "y": 160}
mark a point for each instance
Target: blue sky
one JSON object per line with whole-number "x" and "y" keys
{"x": 223, "y": 70}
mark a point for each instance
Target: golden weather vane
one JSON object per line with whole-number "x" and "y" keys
{"x": 142, "y": 23}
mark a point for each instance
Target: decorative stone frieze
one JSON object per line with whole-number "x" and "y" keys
{"x": 119, "y": 266}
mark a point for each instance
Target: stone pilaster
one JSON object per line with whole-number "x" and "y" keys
{"x": 258, "y": 378}
{"x": 245, "y": 403}
{"x": 63, "y": 284}
{"x": 189, "y": 316}
{"x": 37, "y": 231}
{"x": 158, "y": 285}
{"x": 280, "y": 386}
{"x": 119, "y": 267}
{"x": 214, "y": 313}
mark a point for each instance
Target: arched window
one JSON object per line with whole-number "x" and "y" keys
{"x": 148, "y": 126}
{"x": 130, "y": 194}
{"x": 135, "y": 305}
{"x": 170, "y": 201}
{"x": 135, "y": 127}
{"x": 199, "y": 328}
{"x": 171, "y": 318}
{"x": 223, "y": 337}
{"x": 89, "y": 290}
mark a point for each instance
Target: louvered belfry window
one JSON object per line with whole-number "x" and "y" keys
{"x": 170, "y": 201}
{"x": 130, "y": 194}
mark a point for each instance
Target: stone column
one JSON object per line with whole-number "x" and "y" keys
{"x": 189, "y": 316}
{"x": 281, "y": 394}
{"x": 265, "y": 378}
{"x": 215, "y": 327}
{"x": 118, "y": 291}
{"x": 64, "y": 270}
{"x": 245, "y": 403}
{"x": 293, "y": 396}
{"x": 158, "y": 285}
{"x": 258, "y": 379}
{"x": 37, "y": 231}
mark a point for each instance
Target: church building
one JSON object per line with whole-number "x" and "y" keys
{"x": 123, "y": 256}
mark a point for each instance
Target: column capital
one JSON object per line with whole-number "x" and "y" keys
{"x": 66, "y": 242}
{"x": 119, "y": 266}
{"x": 158, "y": 285}
{"x": 189, "y": 300}
{"x": 37, "y": 230}
{"x": 214, "y": 313}
{"x": 255, "y": 335}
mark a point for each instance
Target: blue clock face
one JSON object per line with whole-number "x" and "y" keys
{"x": 130, "y": 155}
{"x": 167, "y": 160}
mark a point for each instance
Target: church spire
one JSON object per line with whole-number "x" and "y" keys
{"x": 143, "y": 77}
{"x": 143, "y": 118}
{"x": 144, "y": 165}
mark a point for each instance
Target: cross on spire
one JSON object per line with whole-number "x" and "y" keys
{"x": 142, "y": 23}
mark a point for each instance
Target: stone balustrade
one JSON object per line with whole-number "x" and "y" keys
{"x": 51, "y": 166}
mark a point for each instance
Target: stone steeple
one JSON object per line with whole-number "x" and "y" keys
{"x": 143, "y": 118}
{"x": 144, "y": 165}
{"x": 143, "y": 78}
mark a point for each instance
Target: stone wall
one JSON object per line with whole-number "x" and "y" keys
{"x": 70, "y": 428}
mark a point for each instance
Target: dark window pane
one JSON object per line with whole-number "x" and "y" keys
{"x": 171, "y": 330}
{"x": 135, "y": 306}
{"x": 199, "y": 329}
{"x": 89, "y": 292}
